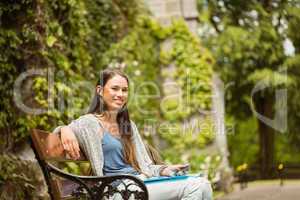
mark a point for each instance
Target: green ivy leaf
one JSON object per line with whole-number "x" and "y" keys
{"x": 50, "y": 40}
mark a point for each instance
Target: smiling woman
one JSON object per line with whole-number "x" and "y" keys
{"x": 111, "y": 142}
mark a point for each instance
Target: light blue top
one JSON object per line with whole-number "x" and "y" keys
{"x": 88, "y": 132}
{"x": 114, "y": 162}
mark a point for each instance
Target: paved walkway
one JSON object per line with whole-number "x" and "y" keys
{"x": 266, "y": 191}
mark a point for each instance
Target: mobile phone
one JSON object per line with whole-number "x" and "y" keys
{"x": 186, "y": 167}
{"x": 183, "y": 170}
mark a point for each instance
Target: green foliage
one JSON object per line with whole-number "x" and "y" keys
{"x": 18, "y": 179}
{"x": 270, "y": 78}
{"x": 81, "y": 168}
{"x": 292, "y": 64}
{"x": 65, "y": 40}
{"x": 249, "y": 46}
{"x": 194, "y": 76}
{"x": 248, "y": 41}
{"x": 243, "y": 144}
{"x": 285, "y": 152}
{"x": 293, "y": 20}
{"x": 210, "y": 165}
{"x": 193, "y": 69}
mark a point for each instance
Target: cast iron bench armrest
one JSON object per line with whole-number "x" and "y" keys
{"x": 94, "y": 186}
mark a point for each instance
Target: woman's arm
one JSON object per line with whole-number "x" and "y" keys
{"x": 145, "y": 161}
{"x": 69, "y": 142}
{"x": 88, "y": 134}
{"x": 146, "y": 164}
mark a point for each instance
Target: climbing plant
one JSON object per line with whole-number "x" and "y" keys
{"x": 143, "y": 60}
{"x": 57, "y": 46}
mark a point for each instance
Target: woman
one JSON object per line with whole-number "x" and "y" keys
{"x": 113, "y": 145}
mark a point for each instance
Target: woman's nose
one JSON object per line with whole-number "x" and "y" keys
{"x": 120, "y": 93}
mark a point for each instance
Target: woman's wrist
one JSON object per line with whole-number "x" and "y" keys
{"x": 162, "y": 169}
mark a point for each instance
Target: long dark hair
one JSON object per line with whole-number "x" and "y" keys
{"x": 99, "y": 107}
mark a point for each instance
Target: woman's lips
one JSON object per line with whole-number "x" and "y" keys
{"x": 118, "y": 101}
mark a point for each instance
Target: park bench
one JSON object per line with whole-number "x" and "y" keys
{"x": 62, "y": 185}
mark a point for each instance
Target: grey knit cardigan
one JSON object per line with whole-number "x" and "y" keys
{"x": 88, "y": 132}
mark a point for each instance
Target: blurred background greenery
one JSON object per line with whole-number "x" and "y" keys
{"x": 70, "y": 41}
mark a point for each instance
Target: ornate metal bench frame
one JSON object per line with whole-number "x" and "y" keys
{"x": 47, "y": 147}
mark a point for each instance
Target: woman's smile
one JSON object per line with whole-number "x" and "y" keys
{"x": 118, "y": 101}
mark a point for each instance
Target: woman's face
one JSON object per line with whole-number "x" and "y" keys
{"x": 115, "y": 92}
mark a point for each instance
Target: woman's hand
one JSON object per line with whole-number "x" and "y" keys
{"x": 170, "y": 170}
{"x": 69, "y": 142}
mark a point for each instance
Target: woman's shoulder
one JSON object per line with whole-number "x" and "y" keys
{"x": 88, "y": 116}
{"x": 88, "y": 120}
{"x": 133, "y": 125}
{"x": 135, "y": 131}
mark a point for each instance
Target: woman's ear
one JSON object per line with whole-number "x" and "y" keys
{"x": 99, "y": 90}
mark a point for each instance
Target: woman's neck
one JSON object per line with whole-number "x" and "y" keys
{"x": 110, "y": 117}
{"x": 109, "y": 123}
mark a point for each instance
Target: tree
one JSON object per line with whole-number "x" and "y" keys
{"x": 248, "y": 40}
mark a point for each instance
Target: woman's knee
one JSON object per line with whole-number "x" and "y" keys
{"x": 205, "y": 187}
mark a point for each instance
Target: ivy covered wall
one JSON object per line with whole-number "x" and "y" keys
{"x": 64, "y": 42}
